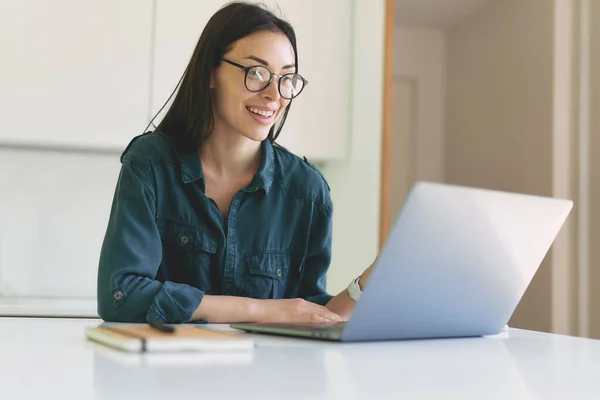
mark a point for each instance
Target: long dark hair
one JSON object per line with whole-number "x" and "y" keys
{"x": 190, "y": 118}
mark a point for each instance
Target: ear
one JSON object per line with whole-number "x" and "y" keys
{"x": 212, "y": 80}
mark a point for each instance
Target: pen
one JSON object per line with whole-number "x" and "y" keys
{"x": 161, "y": 327}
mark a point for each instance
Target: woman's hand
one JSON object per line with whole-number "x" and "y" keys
{"x": 228, "y": 309}
{"x": 295, "y": 310}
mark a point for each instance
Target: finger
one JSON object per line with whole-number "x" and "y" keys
{"x": 324, "y": 312}
{"x": 318, "y": 315}
{"x": 329, "y": 315}
{"x": 315, "y": 318}
{"x": 321, "y": 310}
{"x": 339, "y": 318}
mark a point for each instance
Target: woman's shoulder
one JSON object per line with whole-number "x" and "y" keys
{"x": 300, "y": 178}
{"x": 149, "y": 148}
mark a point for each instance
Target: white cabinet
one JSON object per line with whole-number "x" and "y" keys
{"x": 318, "y": 123}
{"x": 74, "y": 73}
{"x": 84, "y": 73}
{"x": 52, "y": 221}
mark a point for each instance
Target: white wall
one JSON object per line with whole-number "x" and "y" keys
{"x": 355, "y": 184}
{"x": 420, "y": 53}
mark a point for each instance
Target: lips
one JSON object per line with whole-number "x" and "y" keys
{"x": 264, "y": 113}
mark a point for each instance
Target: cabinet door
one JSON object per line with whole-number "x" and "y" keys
{"x": 318, "y": 123}
{"x": 74, "y": 73}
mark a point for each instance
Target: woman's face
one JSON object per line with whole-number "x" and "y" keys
{"x": 235, "y": 108}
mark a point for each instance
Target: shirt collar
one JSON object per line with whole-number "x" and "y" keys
{"x": 266, "y": 171}
{"x": 191, "y": 168}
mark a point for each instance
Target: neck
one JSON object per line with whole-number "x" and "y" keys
{"x": 230, "y": 155}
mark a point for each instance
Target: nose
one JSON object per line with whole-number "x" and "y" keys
{"x": 271, "y": 92}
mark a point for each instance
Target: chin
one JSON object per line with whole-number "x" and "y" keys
{"x": 257, "y": 136}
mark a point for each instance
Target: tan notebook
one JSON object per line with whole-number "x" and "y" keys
{"x": 145, "y": 338}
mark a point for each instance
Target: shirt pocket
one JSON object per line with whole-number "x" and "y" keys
{"x": 188, "y": 252}
{"x": 273, "y": 274}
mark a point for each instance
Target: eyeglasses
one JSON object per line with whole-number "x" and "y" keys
{"x": 258, "y": 77}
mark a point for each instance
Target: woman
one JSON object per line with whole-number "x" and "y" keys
{"x": 211, "y": 221}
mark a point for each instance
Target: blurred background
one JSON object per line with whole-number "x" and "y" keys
{"x": 497, "y": 94}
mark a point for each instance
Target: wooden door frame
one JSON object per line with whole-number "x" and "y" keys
{"x": 388, "y": 87}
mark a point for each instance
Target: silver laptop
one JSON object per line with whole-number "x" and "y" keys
{"x": 456, "y": 264}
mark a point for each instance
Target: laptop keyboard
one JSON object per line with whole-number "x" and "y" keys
{"x": 308, "y": 326}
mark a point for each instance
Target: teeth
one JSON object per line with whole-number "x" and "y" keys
{"x": 261, "y": 112}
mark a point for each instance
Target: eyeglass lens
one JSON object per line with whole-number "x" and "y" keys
{"x": 258, "y": 78}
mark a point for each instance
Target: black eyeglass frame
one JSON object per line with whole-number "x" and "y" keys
{"x": 247, "y": 69}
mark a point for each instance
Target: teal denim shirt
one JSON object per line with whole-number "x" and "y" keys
{"x": 167, "y": 244}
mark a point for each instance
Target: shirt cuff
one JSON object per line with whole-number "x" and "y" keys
{"x": 174, "y": 303}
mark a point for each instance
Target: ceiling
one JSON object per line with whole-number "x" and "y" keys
{"x": 435, "y": 13}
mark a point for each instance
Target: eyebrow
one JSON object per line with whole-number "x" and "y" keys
{"x": 266, "y": 64}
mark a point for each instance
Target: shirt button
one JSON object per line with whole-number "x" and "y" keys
{"x": 278, "y": 271}
{"x": 118, "y": 295}
{"x": 184, "y": 240}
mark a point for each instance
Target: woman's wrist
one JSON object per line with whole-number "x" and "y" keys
{"x": 255, "y": 310}
{"x": 228, "y": 309}
{"x": 361, "y": 283}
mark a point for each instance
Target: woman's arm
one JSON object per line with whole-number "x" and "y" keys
{"x": 343, "y": 304}
{"x": 131, "y": 254}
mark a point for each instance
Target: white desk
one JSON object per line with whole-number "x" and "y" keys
{"x": 48, "y": 307}
{"x": 49, "y": 358}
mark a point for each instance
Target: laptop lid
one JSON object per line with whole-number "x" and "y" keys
{"x": 456, "y": 263}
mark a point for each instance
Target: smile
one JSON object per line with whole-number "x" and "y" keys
{"x": 262, "y": 113}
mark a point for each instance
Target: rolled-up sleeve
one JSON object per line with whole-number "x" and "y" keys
{"x": 314, "y": 281}
{"x": 131, "y": 254}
